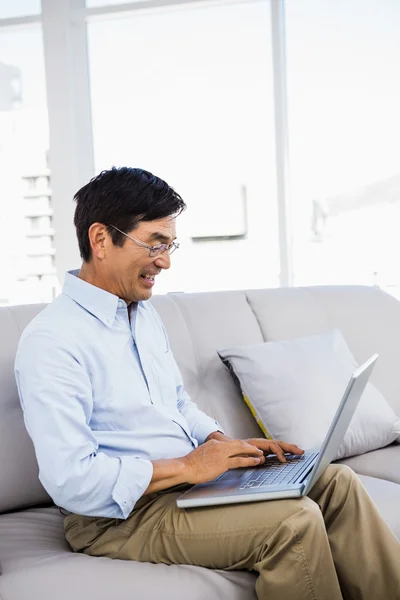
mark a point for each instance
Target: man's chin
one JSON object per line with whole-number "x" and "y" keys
{"x": 144, "y": 294}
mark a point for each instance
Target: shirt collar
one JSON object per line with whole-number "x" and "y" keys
{"x": 98, "y": 302}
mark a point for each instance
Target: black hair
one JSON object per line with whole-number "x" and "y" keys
{"x": 122, "y": 197}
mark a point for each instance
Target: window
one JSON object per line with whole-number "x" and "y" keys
{"x": 33, "y": 222}
{"x": 30, "y": 183}
{"x": 38, "y": 245}
{"x": 42, "y": 183}
{"x": 24, "y": 142}
{"x": 39, "y": 265}
{"x": 186, "y": 91}
{"x": 36, "y": 206}
{"x": 95, "y": 3}
{"x": 187, "y": 94}
{"x": 19, "y": 8}
{"x": 344, "y": 120}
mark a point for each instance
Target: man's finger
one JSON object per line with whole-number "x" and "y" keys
{"x": 292, "y": 448}
{"x": 276, "y": 449}
{"x": 241, "y": 447}
{"x": 249, "y": 451}
{"x": 244, "y": 461}
{"x": 265, "y": 445}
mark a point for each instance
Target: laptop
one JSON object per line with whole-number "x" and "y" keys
{"x": 296, "y": 477}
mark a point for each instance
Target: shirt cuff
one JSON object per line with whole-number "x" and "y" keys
{"x": 203, "y": 429}
{"x": 134, "y": 477}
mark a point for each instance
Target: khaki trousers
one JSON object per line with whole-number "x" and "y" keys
{"x": 331, "y": 545}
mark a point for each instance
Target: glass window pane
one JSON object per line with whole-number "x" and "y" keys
{"x": 27, "y": 270}
{"x": 19, "y": 8}
{"x": 344, "y": 118}
{"x": 93, "y": 3}
{"x": 187, "y": 94}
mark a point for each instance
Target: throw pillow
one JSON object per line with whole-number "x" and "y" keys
{"x": 293, "y": 389}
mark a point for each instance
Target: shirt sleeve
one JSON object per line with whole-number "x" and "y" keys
{"x": 56, "y": 397}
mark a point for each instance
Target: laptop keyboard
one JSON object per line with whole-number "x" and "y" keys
{"x": 273, "y": 472}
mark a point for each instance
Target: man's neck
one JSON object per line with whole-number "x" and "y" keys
{"x": 90, "y": 275}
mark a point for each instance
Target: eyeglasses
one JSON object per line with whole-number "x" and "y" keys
{"x": 153, "y": 250}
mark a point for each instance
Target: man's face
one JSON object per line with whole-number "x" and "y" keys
{"x": 130, "y": 271}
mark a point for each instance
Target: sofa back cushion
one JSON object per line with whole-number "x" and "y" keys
{"x": 198, "y": 325}
{"x": 368, "y": 318}
{"x": 19, "y": 483}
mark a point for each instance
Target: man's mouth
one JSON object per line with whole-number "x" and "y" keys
{"x": 149, "y": 277}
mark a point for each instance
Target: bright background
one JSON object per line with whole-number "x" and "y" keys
{"x": 278, "y": 122}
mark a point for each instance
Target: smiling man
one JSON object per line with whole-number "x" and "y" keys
{"x": 118, "y": 439}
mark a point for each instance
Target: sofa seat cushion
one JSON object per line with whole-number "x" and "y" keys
{"x": 386, "y": 496}
{"x": 383, "y": 463}
{"x": 37, "y": 564}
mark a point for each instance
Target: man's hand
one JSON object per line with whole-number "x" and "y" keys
{"x": 275, "y": 447}
{"x": 267, "y": 446}
{"x": 217, "y": 455}
{"x": 214, "y": 457}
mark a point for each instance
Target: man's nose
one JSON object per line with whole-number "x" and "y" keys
{"x": 163, "y": 261}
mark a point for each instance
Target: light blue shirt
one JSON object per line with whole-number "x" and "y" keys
{"x": 102, "y": 396}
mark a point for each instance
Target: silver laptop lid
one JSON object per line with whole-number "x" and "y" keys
{"x": 341, "y": 421}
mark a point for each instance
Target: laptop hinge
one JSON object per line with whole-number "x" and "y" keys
{"x": 306, "y": 469}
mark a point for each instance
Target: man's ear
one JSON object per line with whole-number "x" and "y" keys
{"x": 99, "y": 239}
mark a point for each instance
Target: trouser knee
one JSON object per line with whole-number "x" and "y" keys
{"x": 342, "y": 475}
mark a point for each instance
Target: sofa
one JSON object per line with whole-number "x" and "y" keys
{"x": 37, "y": 563}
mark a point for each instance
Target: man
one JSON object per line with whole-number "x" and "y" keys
{"x": 117, "y": 438}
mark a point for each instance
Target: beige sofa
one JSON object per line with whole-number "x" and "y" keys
{"x": 36, "y": 562}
